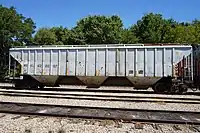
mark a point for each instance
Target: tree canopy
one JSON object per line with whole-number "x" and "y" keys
{"x": 45, "y": 36}
{"x": 99, "y": 29}
{"x": 15, "y": 30}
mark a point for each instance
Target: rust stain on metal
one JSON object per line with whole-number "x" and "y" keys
{"x": 136, "y": 74}
{"x": 67, "y": 71}
{"x": 98, "y": 72}
{"x": 175, "y": 70}
{"x": 43, "y": 72}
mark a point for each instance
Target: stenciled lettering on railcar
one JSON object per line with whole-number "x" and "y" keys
{"x": 47, "y": 66}
{"x": 39, "y": 65}
{"x": 54, "y": 66}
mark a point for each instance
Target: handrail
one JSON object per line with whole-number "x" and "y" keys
{"x": 91, "y": 45}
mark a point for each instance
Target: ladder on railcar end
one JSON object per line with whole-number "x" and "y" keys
{"x": 14, "y": 70}
{"x": 186, "y": 69}
{"x": 187, "y": 73}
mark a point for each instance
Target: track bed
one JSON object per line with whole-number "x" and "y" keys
{"x": 159, "y": 116}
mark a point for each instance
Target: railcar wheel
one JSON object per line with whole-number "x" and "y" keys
{"x": 35, "y": 87}
{"x": 160, "y": 88}
{"x": 183, "y": 89}
{"x": 41, "y": 86}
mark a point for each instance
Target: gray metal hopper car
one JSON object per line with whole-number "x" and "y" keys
{"x": 167, "y": 68}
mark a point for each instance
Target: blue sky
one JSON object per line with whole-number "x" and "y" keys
{"x": 48, "y": 13}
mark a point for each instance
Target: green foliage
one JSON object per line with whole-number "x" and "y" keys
{"x": 152, "y": 28}
{"x": 65, "y": 36}
{"x": 196, "y": 31}
{"x": 128, "y": 37}
{"x": 45, "y": 36}
{"x": 99, "y": 29}
{"x": 15, "y": 30}
{"x": 59, "y": 33}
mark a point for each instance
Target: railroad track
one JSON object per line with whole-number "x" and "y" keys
{"x": 68, "y": 89}
{"x": 134, "y": 115}
{"x": 98, "y": 96}
{"x": 118, "y": 90}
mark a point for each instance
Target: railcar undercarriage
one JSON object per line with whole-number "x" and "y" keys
{"x": 166, "y": 85}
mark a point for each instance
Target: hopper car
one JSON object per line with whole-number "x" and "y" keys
{"x": 165, "y": 68}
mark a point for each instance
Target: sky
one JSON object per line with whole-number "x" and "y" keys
{"x": 66, "y": 13}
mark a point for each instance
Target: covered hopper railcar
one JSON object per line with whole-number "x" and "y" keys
{"x": 167, "y": 68}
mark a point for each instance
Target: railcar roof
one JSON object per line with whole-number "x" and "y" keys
{"x": 98, "y": 46}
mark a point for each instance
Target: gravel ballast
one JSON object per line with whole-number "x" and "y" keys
{"x": 102, "y": 103}
{"x": 20, "y": 124}
{"x": 30, "y": 124}
{"x": 98, "y": 103}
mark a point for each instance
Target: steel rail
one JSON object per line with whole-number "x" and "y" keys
{"x": 98, "y": 90}
{"x": 136, "y": 115}
{"x": 102, "y": 97}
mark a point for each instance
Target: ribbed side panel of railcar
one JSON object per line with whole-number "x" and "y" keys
{"x": 139, "y": 64}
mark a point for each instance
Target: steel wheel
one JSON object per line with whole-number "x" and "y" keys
{"x": 183, "y": 89}
{"x": 160, "y": 88}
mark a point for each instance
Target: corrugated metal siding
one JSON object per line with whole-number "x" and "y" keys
{"x": 197, "y": 65}
{"x": 184, "y": 67}
{"x": 116, "y": 61}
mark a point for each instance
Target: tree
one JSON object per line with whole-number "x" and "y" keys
{"x": 58, "y": 36}
{"x": 27, "y": 30}
{"x": 65, "y": 36}
{"x": 196, "y": 30}
{"x": 167, "y": 32}
{"x": 59, "y": 33}
{"x": 128, "y": 37}
{"x": 152, "y": 28}
{"x": 15, "y": 29}
{"x": 45, "y": 36}
{"x": 184, "y": 34}
{"x": 73, "y": 37}
{"x": 181, "y": 33}
{"x": 99, "y": 29}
